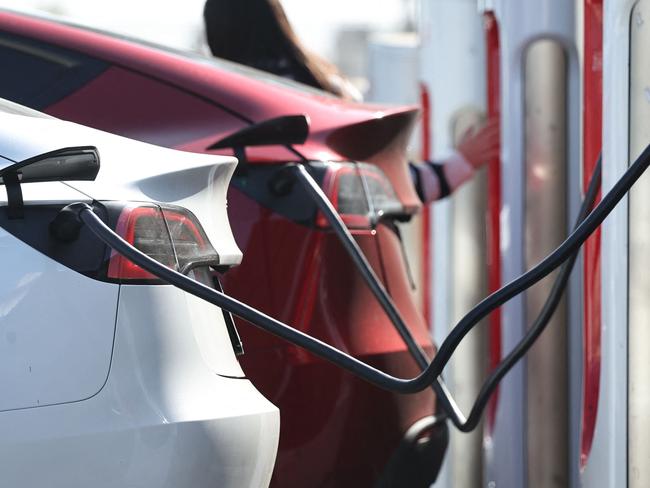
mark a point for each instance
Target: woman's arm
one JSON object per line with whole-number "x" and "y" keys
{"x": 437, "y": 180}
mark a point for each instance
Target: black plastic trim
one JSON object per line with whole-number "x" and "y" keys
{"x": 287, "y": 129}
{"x": 273, "y": 187}
{"x": 14, "y": 195}
{"x": 84, "y": 255}
{"x": 31, "y": 172}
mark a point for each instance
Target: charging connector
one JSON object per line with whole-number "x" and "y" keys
{"x": 67, "y": 224}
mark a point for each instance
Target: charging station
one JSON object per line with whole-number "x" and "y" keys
{"x": 522, "y": 62}
{"x": 572, "y": 80}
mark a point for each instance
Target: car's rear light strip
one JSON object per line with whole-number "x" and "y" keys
{"x": 361, "y": 193}
{"x": 170, "y": 235}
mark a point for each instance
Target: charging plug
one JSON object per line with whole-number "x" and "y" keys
{"x": 67, "y": 224}
{"x": 282, "y": 182}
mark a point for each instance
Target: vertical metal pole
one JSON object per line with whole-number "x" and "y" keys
{"x": 639, "y": 267}
{"x": 518, "y": 446}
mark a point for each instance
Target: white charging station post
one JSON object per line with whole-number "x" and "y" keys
{"x": 452, "y": 60}
{"x": 529, "y": 444}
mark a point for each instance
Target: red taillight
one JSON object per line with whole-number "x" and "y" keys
{"x": 143, "y": 227}
{"x": 171, "y": 236}
{"x": 361, "y": 193}
{"x": 188, "y": 239}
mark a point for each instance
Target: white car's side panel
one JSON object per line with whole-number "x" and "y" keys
{"x": 120, "y": 438}
{"x": 163, "y": 417}
{"x": 199, "y": 334}
{"x": 56, "y": 326}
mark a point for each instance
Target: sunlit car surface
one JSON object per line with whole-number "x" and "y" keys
{"x": 108, "y": 377}
{"x": 336, "y": 430}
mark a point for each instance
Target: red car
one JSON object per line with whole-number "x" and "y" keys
{"x": 335, "y": 430}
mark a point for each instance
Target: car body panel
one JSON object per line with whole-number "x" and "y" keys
{"x": 163, "y": 419}
{"x": 106, "y": 384}
{"x": 339, "y": 428}
{"x": 54, "y": 347}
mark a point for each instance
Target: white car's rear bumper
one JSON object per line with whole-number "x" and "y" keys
{"x": 164, "y": 418}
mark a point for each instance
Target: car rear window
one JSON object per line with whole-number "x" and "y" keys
{"x": 218, "y": 63}
{"x": 37, "y": 75}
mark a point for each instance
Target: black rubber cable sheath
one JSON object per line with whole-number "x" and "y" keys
{"x": 372, "y": 281}
{"x": 255, "y": 317}
{"x": 364, "y": 371}
{"x": 449, "y": 405}
{"x": 541, "y": 322}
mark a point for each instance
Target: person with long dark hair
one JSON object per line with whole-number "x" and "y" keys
{"x": 258, "y": 34}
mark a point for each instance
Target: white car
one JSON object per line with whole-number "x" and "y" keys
{"x": 109, "y": 378}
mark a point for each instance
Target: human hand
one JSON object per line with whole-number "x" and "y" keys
{"x": 481, "y": 144}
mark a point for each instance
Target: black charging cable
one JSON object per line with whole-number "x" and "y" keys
{"x": 343, "y": 360}
{"x": 449, "y": 405}
{"x": 372, "y": 281}
{"x": 546, "y": 313}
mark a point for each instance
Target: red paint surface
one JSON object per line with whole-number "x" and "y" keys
{"x": 592, "y": 123}
{"x": 336, "y": 430}
{"x": 427, "y": 244}
{"x": 494, "y": 204}
{"x": 334, "y": 427}
{"x": 250, "y": 99}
